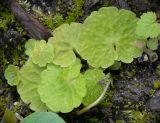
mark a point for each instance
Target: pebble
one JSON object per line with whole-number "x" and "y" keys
{"x": 154, "y": 104}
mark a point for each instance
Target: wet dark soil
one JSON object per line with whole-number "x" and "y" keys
{"x": 132, "y": 98}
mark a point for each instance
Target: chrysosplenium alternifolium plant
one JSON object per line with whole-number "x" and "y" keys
{"x": 52, "y": 78}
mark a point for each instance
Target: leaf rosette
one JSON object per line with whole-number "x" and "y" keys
{"x": 51, "y": 78}
{"x": 108, "y": 35}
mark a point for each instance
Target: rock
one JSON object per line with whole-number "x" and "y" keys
{"x": 123, "y": 4}
{"x": 154, "y": 104}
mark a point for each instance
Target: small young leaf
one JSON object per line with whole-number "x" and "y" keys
{"x": 152, "y": 43}
{"x": 42, "y": 53}
{"x": 43, "y": 117}
{"x": 147, "y": 26}
{"x": 30, "y": 79}
{"x": 12, "y": 75}
{"x": 65, "y": 88}
{"x": 94, "y": 86}
{"x": 29, "y": 46}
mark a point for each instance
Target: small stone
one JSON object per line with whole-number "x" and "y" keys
{"x": 154, "y": 103}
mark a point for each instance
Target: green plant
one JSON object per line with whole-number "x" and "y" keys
{"x": 136, "y": 116}
{"x": 147, "y": 26}
{"x": 108, "y": 36}
{"x": 152, "y": 43}
{"x": 52, "y": 77}
{"x": 5, "y": 17}
{"x": 76, "y": 11}
{"x": 43, "y": 117}
{"x": 156, "y": 84}
{"x": 12, "y": 75}
{"x": 9, "y": 117}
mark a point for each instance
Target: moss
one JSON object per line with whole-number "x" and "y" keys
{"x": 17, "y": 54}
{"x": 156, "y": 84}
{"x": 2, "y": 105}
{"x": 158, "y": 70}
{"x": 128, "y": 74}
{"x": 52, "y": 21}
{"x": 93, "y": 120}
{"x": 3, "y": 61}
{"x": 14, "y": 57}
{"x": 135, "y": 116}
{"x": 75, "y": 12}
{"x": 120, "y": 121}
{"x": 5, "y": 17}
{"x": 11, "y": 51}
{"x": 4, "y": 99}
{"x": 62, "y": 14}
{"x": 106, "y": 3}
{"x": 3, "y": 65}
{"x": 107, "y": 101}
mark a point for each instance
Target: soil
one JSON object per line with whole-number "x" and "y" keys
{"x": 132, "y": 98}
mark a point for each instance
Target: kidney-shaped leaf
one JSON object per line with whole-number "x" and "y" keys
{"x": 64, "y": 55}
{"x": 67, "y": 33}
{"x": 12, "y": 75}
{"x": 147, "y": 26}
{"x": 30, "y": 78}
{"x": 43, "y": 117}
{"x": 62, "y": 89}
{"x": 108, "y": 35}
{"x": 64, "y": 40}
{"x": 152, "y": 43}
{"x": 29, "y": 46}
{"x": 42, "y": 53}
{"x": 94, "y": 88}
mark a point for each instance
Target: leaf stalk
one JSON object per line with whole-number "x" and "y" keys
{"x": 85, "y": 109}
